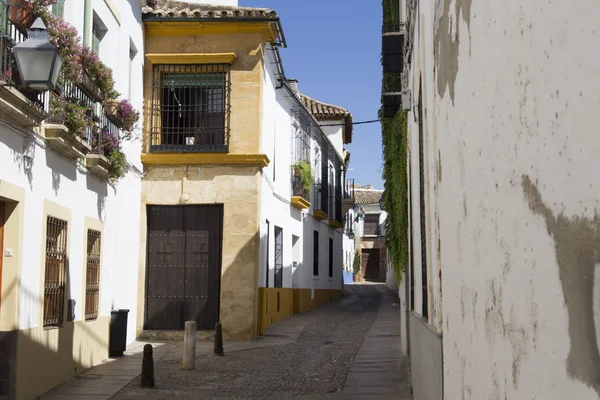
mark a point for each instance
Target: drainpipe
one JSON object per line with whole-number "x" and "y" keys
{"x": 87, "y": 17}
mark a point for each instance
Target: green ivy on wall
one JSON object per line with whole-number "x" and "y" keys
{"x": 394, "y": 138}
{"x": 395, "y": 162}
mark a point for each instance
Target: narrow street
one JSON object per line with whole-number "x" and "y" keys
{"x": 347, "y": 350}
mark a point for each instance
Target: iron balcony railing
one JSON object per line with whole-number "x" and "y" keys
{"x": 320, "y": 197}
{"x": 10, "y": 35}
{"x": 349, "y": 189}
{"x": 99, "y": 127}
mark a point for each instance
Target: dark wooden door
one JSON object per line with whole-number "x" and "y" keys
{"x": 183, "y": 277}
{"x": 370, "y": 264}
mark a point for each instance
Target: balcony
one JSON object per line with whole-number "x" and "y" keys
{"x": 349, "y": 200}
{"x": 78, "y": 127}
{"x": 18, "y": 105}
{"x": 320, "y": 201}
{"x": 301, "y": 185}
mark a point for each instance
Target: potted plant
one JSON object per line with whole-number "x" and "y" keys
{"x": 72, "y": 115}
{"x": 356, "y": 266}
{"x": 122, "y": 114}
{"x": 20, "y": 13}
{"x": 303, "y": 179}
{"x": 129, "y": 116}
{"x": 103, "y": 142}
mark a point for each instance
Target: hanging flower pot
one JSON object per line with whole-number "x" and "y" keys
{"x": 110, "y": 108}
{"x": 20, "y": 13}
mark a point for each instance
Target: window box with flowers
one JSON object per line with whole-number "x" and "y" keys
{"x": 66, "y": 128}
{"x": 106, "y": 161}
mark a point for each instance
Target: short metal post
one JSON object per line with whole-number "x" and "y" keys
{"x": 189, "y": 345}
{"x": 218, "y": 340}
{"x": 148, "y": 367}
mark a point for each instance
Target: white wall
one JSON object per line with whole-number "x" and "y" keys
{"x": 512, "y": 190}
{"x": 59, "y": 180}
{"x": 334, "y": 132}
{"x": 276, "y": 195}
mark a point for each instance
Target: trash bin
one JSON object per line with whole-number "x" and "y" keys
{"x": 118, "y": 332}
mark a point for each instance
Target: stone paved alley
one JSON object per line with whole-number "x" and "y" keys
{"x": 347, "y": 350}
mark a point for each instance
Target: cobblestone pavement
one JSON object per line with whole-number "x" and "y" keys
{"x": 318, "y": 363}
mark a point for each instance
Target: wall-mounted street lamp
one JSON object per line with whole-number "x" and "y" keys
{"x": 37, "y": 59}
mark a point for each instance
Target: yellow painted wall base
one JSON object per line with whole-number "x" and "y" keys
{"x": 48, "y": 357}
{"x": 274, "y": 304}
{"x": 291, "y": 301}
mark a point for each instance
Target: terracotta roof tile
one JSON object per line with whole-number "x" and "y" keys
{"x": 182, "y": 9}
{"x": 367, "y": 196}
{"x": 328, "y": 112}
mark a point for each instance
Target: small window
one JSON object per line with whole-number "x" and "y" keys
{"x": 92, "y": 275}
{"x": 132, "y": 54}
{"x": 316, "y": 253}
{"x": 58, "y": 9}
{"x": 190, "y": 108}
{"x": 268, "y": 253}
{"x": 55, "y": 274}
{"x": 371, "y": 225}
{"x": 330, "y": 257}
{"x": 99, "y": 30}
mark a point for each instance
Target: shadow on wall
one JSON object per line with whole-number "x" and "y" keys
{"x": 33, "y": 361}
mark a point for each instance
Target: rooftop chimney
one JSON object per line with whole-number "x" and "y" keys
{"x": 294, "y": 85}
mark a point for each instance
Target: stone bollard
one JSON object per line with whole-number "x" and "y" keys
{"x": 189, "y": 346}
{"x": 148, "y": 367}
{"x": 218, "y": 340}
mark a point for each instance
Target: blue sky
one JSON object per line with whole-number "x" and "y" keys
{"x": 334, "y": 50}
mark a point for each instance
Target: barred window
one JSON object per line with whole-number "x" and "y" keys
{"x": 371, "y": 225}
{"x": 190, "y": 108}
{"x": 92, "y": 275}
{"x": 55, "y": 274}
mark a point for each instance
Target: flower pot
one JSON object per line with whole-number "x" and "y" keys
{"x": 20, "y": 13}
{"x": 89, "y": 87}
{"x": 110, "y": 108}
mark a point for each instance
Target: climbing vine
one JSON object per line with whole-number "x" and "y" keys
{"x": 395, "y": 160}
{"x": 394, "y": 141}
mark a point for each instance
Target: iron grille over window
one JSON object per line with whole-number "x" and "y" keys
{"x": 190, "y": 108}
{"x": 316, "y": 253}
{"x": 278, "y": 257}
{"x": 422, "y": 209}
{"x": 92, "y": 276}
{"x": 55, "y": 274}
{"x": 330, "y": 257}
{"x": 371, "y": 225}
{"x": 300, "y": 153}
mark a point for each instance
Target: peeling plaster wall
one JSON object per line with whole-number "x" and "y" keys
{"x": 517, "y": 95}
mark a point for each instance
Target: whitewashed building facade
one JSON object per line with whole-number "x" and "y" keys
{"x": 301, "y": 250}
{"x": 504, "y": 206}
{"x": 68, "y": 237}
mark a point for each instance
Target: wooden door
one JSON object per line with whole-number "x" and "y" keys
{"x": 370, "y": 264}
{"x": 183, "y": 275}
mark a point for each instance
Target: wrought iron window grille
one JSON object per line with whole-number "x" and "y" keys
{"x": 55, "y": 271}
{"x": 92, "y": 276}
{"x": 190, "y": 109}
